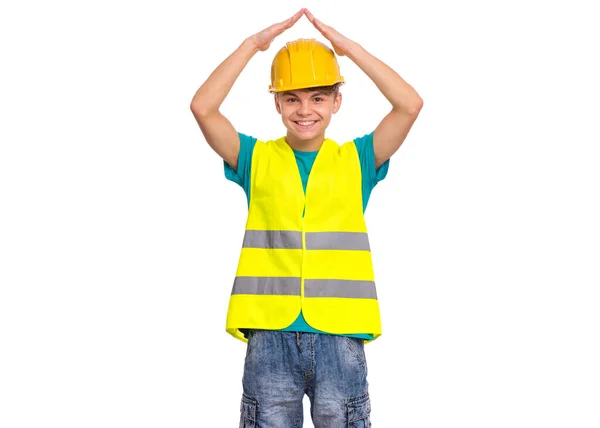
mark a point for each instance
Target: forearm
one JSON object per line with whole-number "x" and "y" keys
{"x": 398, "y": 92}
{"x": 212, "y": 93}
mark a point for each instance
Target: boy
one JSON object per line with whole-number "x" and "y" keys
{"x": 304, "y": 295}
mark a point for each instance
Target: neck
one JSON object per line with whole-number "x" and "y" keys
{"x": 311, "y": 145}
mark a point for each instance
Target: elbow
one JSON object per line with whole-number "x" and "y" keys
{"x": 411, "y": 108}
{"x": 200, "y": 109}
{"x": 416, "y": 106}
{"x": 195, "y": 107}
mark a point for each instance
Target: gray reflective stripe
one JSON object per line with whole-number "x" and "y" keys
{"x": 337, "y": 241}
{"x": 289, "y": 286}
{"x": 273, "y": 239}
{"x": 339, "y": 288}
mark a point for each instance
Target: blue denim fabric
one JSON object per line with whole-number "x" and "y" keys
{"x": 281, "y": 367}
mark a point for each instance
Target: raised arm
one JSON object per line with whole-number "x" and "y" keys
{"x": 406, "y": 102}
{"x": 216, "y": 128}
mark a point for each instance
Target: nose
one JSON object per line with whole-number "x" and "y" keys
{"x": 304, "y": 108}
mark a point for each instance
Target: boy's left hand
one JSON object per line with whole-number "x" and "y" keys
{"x": 341, "y": 44}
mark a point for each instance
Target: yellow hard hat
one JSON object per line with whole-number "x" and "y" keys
{"x": 304, "y": 63}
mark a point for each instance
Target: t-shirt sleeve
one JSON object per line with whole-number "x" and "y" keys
{"x": 242, "y": 175}
{"x": 370, "y": 175}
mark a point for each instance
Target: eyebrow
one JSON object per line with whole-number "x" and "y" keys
{"x": 318, "y": 92}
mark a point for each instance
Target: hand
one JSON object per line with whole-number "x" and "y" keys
{"x": 263, "y": 40}
{"x": 341, "y": 45}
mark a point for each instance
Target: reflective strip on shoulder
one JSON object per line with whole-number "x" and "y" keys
{"x": 287, "y": 286}
{"x": 288, "y": 239}
{"x": 337, "y": 241}
{"x": 339, "y": 288}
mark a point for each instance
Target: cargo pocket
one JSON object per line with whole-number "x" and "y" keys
{"x": 359, "y": 411}
{"x": 248, "y": 412}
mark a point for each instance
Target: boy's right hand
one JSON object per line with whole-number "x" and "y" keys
{"x": 263, "y": 40}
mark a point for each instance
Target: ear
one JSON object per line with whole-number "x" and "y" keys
{"x": 337, "y": 103}
{"x": 277, "y": 105}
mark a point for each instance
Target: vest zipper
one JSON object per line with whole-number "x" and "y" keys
{"x": 304, "y": 228}
{"x": 303, "y": 256}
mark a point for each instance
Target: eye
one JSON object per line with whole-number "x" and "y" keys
{"x": 318, "y": 99}
{"x": 291, "y": 100}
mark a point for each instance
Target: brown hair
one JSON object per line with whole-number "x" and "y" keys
{"x": 327, "y": 89}
{"x": 333, "y": 89}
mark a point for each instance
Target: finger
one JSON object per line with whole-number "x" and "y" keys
{"x": 314, "y": 21}
{"x": 279, "y": 28}
{"x": 282, "y": 26}
{"x": 319, "y": 26}
{"x": 311, "y": 17}
{"x": 291, "y": 21}
{"x": 298, "y": 15}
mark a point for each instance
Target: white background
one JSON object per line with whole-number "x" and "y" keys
{"x": 119, "y": 235}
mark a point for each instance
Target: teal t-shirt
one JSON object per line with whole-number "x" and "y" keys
{"x": 370, "y": 177}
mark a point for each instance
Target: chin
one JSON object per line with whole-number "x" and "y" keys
{"x": 307, "y": 135}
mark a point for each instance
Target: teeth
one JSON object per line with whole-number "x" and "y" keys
{"x": 306, "y": 123}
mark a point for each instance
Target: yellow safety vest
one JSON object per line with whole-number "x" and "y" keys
{"x": 319, "y": 262}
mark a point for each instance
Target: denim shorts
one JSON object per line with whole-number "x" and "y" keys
{"x": 281, "y": 366}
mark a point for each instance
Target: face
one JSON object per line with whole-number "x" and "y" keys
{"x": 306, "y": 114}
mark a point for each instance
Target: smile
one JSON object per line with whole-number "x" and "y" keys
{"x": 305, "y": 123}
